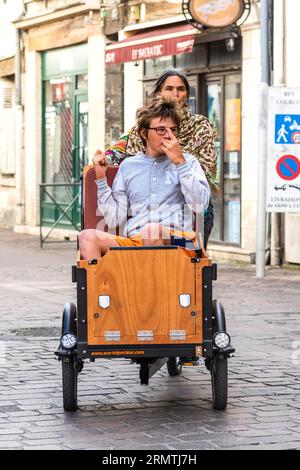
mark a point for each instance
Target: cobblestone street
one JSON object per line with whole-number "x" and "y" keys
{"x": 115, "y": 411}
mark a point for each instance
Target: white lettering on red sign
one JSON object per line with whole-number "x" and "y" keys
{"x": 146, "y": 52}
{"x": 182, "y": 46}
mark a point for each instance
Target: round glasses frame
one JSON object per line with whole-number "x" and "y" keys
{"x": 163, "y": 130}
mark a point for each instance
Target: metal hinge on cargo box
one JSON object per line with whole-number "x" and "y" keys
{"x": 112, "y": 335}
{"x": 145, "y": 335}
{"x": 178, "y": 334}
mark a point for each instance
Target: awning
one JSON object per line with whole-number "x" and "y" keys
{"x": 155, "y": 43}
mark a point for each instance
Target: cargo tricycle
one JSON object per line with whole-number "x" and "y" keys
{"x": 153, "y": 305}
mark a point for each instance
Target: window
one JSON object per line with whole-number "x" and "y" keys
{"x": 7, "y": 129}
{"x": 196, "y": 59}
{"x": 232, "y": 159}
{"x": 224, "y": 111}
{"x": 154, "y": 67}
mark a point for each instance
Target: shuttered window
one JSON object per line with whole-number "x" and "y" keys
{"x": 7, "y": 130}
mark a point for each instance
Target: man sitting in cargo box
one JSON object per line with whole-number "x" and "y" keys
{"x": 154, "y": 194}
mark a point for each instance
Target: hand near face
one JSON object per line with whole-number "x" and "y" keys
{"x": 171, "y": 147}
{"x": 100, "y": 162}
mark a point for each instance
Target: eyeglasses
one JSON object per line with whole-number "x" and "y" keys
{"x": 163, "y": 130}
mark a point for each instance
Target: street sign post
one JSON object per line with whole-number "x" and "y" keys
{"x": 283, "y": 167}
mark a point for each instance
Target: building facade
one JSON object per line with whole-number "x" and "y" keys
{"x": 61, "y": 111}
{"x": 77, "y": 97}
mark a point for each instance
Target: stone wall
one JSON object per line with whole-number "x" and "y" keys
{"x": 113, "y": 103}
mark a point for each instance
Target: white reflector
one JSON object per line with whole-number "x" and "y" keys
{"x": 104, "y": 301}
{"x": 185, "y": 300}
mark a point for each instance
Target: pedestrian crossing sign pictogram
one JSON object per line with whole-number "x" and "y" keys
{"x": 287, "y": 129}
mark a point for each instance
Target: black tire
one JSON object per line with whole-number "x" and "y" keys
{"x": 207, "y": 363}
{"x": 219, "y": 382}
{"x": 69, "y": 381}
{"x": 174, "y": 366}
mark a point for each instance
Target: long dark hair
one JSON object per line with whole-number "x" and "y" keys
{"x": 170, "y": 72}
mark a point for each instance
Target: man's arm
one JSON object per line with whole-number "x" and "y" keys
{"x": 113, "y": 203}
{"x": 117, "y": 152}
{"x": 194, "y": 185}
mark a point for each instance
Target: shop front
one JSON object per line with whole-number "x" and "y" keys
{"x": 63, "y": 114}
{"x": 64, "y": 133}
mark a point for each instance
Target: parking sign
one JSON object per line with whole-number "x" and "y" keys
{"x": 283, "y": 167}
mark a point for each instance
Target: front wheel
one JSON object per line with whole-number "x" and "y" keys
{"x": 174, "y": 366}
{"x": 219, "y": 382}
{"x": 69, "y": 381}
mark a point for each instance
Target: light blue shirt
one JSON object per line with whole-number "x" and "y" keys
{"x": 153, "y": 189}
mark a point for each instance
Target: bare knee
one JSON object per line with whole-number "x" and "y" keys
{"x": 94, "y": 243}
{"x": 87, "y": 237}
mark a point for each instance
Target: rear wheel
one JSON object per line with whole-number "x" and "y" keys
{"x": 219, "y": 382}
{"x": 174, "y": 366}
{"x": 69, "y": 381}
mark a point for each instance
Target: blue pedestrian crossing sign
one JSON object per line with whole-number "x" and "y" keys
{"x": 287, "y": 129}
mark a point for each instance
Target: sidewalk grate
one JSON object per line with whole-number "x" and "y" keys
{"x": 38, "y": 331}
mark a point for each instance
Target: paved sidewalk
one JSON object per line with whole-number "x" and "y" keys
{"x": 172, "y": 413}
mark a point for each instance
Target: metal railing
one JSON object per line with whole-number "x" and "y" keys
{"x": 44, "y": 192}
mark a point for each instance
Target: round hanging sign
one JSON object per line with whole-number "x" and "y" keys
{"x": 216, "y": 13}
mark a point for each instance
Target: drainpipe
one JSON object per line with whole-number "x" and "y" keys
{"x": 278, "y": 80}
{"x": 19, "y": 136}
{"x": 262, "y": 139}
